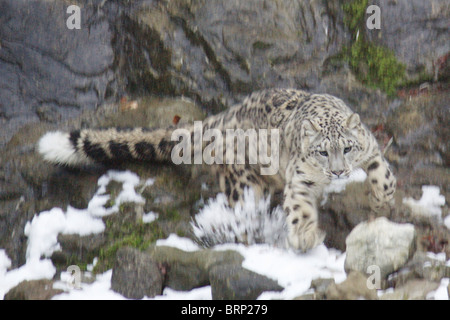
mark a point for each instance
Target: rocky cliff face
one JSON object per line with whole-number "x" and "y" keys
{"x": 214, "y": 53}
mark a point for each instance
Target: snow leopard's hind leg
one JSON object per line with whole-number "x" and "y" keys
{"x": 235, "y": 179}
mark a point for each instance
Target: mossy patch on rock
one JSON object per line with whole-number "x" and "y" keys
{"x": 374, "y": 65}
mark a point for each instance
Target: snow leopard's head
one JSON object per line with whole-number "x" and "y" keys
{"x": 331, "y": 143}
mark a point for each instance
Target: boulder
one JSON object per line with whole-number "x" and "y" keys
{"x": 136, "y": 274}
{"x": 353, "y": 288}
{"x": 423, "y": 265}
{"x": 188, "y": 270}
{"x": 380, "y": 243}
{"x": 33, "y": 290}
{"x": 233, "y": 282}
{"x": 416, "y": 289}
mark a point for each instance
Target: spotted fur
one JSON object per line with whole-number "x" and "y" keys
{"x": 321, "y": 139}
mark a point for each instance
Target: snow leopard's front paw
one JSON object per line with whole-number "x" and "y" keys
{"x": 304, "y": 234}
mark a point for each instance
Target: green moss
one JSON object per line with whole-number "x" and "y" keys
{"x": 354, "y": 12}
{"x": 260, "y": 45}
{"x": 375, "y": 66}
{"x": 137, "y": 235}
{"x": 171, "y": 214}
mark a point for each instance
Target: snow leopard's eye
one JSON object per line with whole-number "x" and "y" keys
{"x": 323, "y": 153}
{"x": 347, "y": 150}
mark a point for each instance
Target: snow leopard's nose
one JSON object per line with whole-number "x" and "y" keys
{"x": 337, "y": 173}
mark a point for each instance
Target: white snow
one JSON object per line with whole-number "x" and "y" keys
{"x": 149, "y": 217}
{"x": 98, "y": 290}
{"x": 292, "y": 270}
{"x": 429, "y": 204}
{"x": 447, "y": 221}
{"x": 42, "y": 231}
{"x": 440, "y": 293}
{"x": 181, "y": 243}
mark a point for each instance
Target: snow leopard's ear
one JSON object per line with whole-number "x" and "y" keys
{"x": 353, "y": 121}
{"x": 309, "y": 128}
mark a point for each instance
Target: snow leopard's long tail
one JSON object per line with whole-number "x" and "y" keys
{"x": 88, "y": 146}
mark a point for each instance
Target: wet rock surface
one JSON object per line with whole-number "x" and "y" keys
{"x": 202, "y": 56}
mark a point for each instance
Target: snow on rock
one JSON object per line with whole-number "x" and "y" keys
{"x": 292, "y": 270}
{"x": 429, "y": 204}
{"x": 42, "y": 231}
{"x": 98, "y": 290}
{"x": 178, "y": 242}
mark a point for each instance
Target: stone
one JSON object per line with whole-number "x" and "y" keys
{"x": 320, "y": 287}
{"x": 416, "y": 289}
{"x": 353, "y": 288}
{"x": 342, "y": 212}
{"x": 233, "y": 282}
{"x": 188, "y": 270}
{"x": 135, "y": 274}
{"x": 381, "y": 243}
{"x": 33, "y": 290}
{"x": 76, "y": 248}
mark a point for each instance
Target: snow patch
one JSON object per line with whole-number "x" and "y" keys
{"x": 429, "y": 204}
{"x": 149, "y": 217}
{"x": 42, "y": 231}
{"x": 181, "y": 243}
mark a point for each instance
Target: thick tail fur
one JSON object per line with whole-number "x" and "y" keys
{"x": 88, "y": 146}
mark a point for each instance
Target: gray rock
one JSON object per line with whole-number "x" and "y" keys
{"x": 421, "y": 266}
{"x": 353, "y": 288}
{"x": 136, "y": 274}
{"x": 342, "y": 212}
{"x": 188, "y": 270}
{"x": 381, "y": 243}
{"x": 416, "y": 289}
{"x": 48, "y": 71}
{"x": 218, "y": 50}
{"x": 233, "y": 282}
{"x": 417, "y": 32}
{"x": 33, "y": 290}
{"x": 320, "y": 287}
{"x": 76, "y": 248}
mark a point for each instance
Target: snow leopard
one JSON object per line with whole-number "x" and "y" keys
{"x": 320, "y": 140}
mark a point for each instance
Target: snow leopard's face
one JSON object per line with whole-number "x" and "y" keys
{"x": 332, "y": 145}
